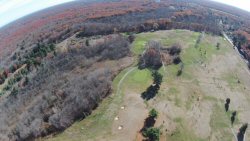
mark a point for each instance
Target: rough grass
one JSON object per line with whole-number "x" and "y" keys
{"x": 183, "y": 132}
{"x": 184, "y": 37}
{"x": 233, "y": 82}
{"x": 204, "y": 52}
{"x": 99, "y": 123}
{"x": 220, "y": 123}
{"x": 192, "y": 58}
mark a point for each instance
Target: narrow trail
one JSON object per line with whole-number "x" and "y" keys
{"x": 124, "y": 76}
{"x": 234, "y": 133}
{"x": 229, "y": 40}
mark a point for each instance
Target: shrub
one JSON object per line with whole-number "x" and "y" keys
{"x": 153, "y": 113}
{"x": 154, "y": 88}
{"x": 157, "y": 77}
{"x": 7, "y": 87}
{"x": 218, "y": 46}
{"x": 87, "y": 42}
{"x": 180, "y": 70}
{"x": 150, "y": 92}
{"x": 174, "y": 50}
{"x": 14, "y": 91}
{"x": 1, "y": 80}
{"x": 131, "y": 37}
{"x": 177, "y": 60}
{"x": 153, "y": 134}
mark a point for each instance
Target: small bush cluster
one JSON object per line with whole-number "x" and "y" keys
{"x": 152, "y": 133}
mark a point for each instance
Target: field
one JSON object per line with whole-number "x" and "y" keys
{"x": 191, "y": 106}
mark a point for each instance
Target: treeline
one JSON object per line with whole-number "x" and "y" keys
{"x": 160, "y": 17}
{"x": 92, "y": 29}
{"x": 57, "y": 25}
{"x": 241, "y": 40}
{"x": 153, "y": 89}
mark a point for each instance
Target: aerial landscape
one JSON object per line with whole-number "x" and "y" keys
{"x": 126, "y": 70}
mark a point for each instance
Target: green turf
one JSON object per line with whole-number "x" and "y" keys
{"x": 138, "y": 80}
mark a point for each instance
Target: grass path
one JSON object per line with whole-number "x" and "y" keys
{"x": 124, "y": 76}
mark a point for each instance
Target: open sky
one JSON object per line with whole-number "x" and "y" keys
{"x": 11, "y": 10}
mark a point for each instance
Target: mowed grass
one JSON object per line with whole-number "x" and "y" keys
{"x": 138, "y": 81}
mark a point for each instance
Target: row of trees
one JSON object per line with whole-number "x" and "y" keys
{"x": 243, "y": 128}
{"x": 148, "y": 130}
{"x": 241, "y": 40}
{"x": 91, "y": 29}
{"x": 153, "y": 89}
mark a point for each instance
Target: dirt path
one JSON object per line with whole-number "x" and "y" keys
{"x": 130, "y": 118}
{"x": 128, "y": 123}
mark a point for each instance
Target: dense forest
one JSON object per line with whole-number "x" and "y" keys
{"x": 45, "y": 106}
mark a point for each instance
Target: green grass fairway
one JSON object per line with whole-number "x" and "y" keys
{"x": 185, "y": 102}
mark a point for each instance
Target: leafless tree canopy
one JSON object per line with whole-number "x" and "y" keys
{"x": 58, "y": 95}
{"x": 151, "y": 58}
